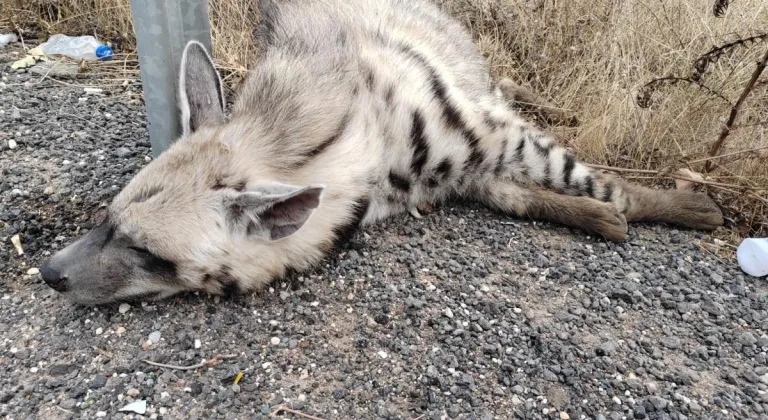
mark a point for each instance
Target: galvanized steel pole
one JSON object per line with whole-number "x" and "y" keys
{"x": 163, "y": 27}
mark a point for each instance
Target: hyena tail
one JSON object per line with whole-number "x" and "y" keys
{"x": 536, "y": 178}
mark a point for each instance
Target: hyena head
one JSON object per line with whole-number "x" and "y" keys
{"x": 181, "y": 222}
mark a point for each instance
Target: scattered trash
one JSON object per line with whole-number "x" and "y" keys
{"x": 25, "y": 62}
{"x": 752, "y": 255}
{"x": 93, "y": 91}
{"x": 79, "y": 48}
{"x": 155, "y": 336}
{"x": 138, "y": 407}
{"x": 33, "y": 56}
{"x": 6, "y": 39}
{"x": 16, "y": 240}
{"x": 238, "y": 377}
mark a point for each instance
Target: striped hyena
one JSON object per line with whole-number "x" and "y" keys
{"x": 356, "y": 110}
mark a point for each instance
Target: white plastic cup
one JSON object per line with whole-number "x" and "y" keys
{"x": 752, "y": 255}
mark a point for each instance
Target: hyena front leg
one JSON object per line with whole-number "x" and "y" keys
{"x": 585, "y": 213}
{"x": 534, "y": 177}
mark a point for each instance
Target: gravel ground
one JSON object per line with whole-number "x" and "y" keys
{"x": 466, "y": 314}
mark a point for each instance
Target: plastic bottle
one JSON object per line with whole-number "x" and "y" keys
{"x": 78, "y": 48}
{"x": 752, "y": 255}
{"x": 6, "y": 39}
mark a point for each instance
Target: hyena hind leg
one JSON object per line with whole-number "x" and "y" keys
{"x": 683, "y": 208}
{"x": 527, "y": 100}
{"x": 585, "y": 213}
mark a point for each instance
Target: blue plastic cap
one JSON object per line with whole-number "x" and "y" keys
{"x": 103, "y": 52}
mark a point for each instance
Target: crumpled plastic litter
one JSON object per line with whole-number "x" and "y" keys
{"x": 6, "y": 39}
{"x": 138, "y": 407}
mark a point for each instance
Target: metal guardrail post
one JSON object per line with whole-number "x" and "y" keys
{"x": 163, "y": 27}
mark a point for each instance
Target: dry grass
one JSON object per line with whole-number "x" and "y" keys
{"x": 587, "y": 56}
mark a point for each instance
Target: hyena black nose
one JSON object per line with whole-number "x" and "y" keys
{"x": 53, "y": 278}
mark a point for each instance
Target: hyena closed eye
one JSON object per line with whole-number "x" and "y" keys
{"x": 355, "y": 110}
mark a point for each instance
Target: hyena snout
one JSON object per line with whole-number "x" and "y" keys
{"x": 53, "y": 277}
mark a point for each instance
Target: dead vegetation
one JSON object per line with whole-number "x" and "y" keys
{"x": 653, "y": 85}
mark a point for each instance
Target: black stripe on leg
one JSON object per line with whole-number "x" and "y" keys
{"x": 444, "y": 168}
{"x": 420, "y": 145}
{"x": 607, "y": 192}
{"x": 589, "y": 187}
{"x": 399, "y": 182}
{"x": 570, "y": 164}
{"x": 520, "y": 150}
{"x": 542, "y": 150}
{"x": 502, "y": 156}
{"x": 344, "y": 232}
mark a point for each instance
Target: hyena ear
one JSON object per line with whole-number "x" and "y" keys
{"x": 201, "y": 95}
{"x": 271, "y": 212}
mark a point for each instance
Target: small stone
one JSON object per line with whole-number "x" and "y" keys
{"x": 99, "y": 331}
{"x": 133, "y": 393}
{"x": 651, "y": 387}
{"x": 383, "y": 354}
{"x": 101, "y": 414}
{"x": 518, "y": 389}
{"x": 550, "y": 376}
{"x": 33, "y": 271}
{"x": 120, "y": 330}
{"x": 617, "y": 400}
{"x": 12, "y": 144}
{"x": 275, "y": 341}
{"x": 99, "y": 381}
{"x": 658, "y": 402}
{"x": 15, "y": 113}
{"x": 154, "y": 337}
{"x": 124, "y": 307}
{"x": 606, "y": 349}
{"x": 49, "y": 190}
{"x": 694, "y": 407}
{"x": 747, "y": 339}
{"x": 516, "y": 400}
{"x": 448, "y": 312}
{"x": 564, "y": 416}
{"x": 670, "y": 342}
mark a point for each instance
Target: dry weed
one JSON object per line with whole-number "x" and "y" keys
{"x": 590, "y": 57}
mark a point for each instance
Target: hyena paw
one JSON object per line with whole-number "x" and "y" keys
{"x": 421, "y": 210}
{"x": 605, "y": 220}
{"x": 697, "y": 211}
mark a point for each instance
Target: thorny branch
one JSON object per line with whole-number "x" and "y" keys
{"x": 711, "y": 57}
{"x": 721, "y": 6}
{"x": 645, "y": 93}
{"x": 735, "y": 109}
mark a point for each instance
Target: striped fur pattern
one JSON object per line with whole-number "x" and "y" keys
{"x": 355, "y": 110}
